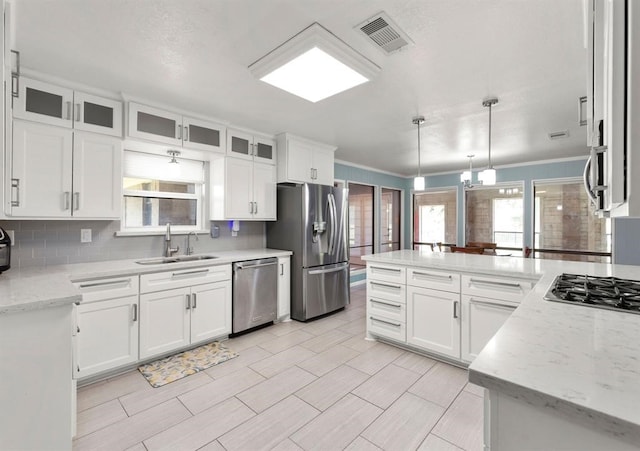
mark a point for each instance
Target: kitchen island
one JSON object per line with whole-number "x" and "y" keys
{"x": 558, "y": 376}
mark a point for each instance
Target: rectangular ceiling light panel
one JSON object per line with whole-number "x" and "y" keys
{"x": 314, "y": 65}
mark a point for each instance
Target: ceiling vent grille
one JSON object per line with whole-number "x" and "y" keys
{"x": 559, "y": 135}
{"x": 384, "y": 33}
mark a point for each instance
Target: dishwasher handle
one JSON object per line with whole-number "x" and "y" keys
{"x": 256, "y": 264}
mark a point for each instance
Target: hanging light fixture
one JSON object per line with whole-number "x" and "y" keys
{"x": 488, "y": 176}
{"x": 418, "y": 182}
{"x": 174, "y": 164}
{"x": 467, "y": 176}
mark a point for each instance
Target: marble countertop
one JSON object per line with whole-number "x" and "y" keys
{"x": 35, "y": 288}
{"x": 580, "y": 361}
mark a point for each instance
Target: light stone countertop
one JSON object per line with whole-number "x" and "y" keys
{"x": 36, "y": 288}
{"x": 582, "y": 362}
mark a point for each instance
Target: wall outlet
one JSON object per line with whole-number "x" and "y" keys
{"x": 12, "y": 236}
{"x": 85, "y": 235}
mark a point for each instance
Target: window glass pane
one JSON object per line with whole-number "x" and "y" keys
{"x": 564, "y": 221}
{"x": 203, "y": 135}
{"x": 495, "y": 215}
{"x": 390, "y": 219}
{"x": 42, "y": 102}
{"x": 156, "y": 125}
{"x": 158, "y": 185}
{"x": 360, "y": 223}
{"x": 154, "y": 211}
{"x": 98, "y": 115}
{"x": 434, "y": 218}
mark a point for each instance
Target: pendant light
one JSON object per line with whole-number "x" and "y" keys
{"x": 488, "y": 176}
{"x": 174, "y": 164}
{"x": 467, "y": 176}
{"x": 418, "y": 182}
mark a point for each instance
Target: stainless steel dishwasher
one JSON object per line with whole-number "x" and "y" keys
{"x": 255, "y": 293}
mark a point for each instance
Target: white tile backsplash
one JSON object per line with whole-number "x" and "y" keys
{"x": 46, "y": 243}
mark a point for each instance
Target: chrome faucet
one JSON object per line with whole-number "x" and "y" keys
{"x": 168, "y": 250}
{"x": 189, "y": 248}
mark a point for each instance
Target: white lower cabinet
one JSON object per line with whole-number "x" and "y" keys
{"x": 386, "y": 302}
{"x": 180, "y": 308}
{"x": 284, "y": 288}
{"x": 433, "y": 320}
{"x": 441, "y": 312}
{"x": 481, "y": 319}
{"x": 106, "y": 335}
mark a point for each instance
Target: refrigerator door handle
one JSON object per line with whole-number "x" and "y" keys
{"x": 326, "y": 271}
{"x": 334, "y": 214}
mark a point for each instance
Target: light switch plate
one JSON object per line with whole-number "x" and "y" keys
{"x": 85, "y": 235}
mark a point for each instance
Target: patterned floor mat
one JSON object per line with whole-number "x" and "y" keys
{"x": 161, "y": 372}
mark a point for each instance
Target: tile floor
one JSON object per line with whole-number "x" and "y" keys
{"x": 295, "y": 386}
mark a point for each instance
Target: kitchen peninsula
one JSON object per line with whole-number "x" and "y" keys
{"x": 41, "y": 328}
{"x": 558, "y": 376}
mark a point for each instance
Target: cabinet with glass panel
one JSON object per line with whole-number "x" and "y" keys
{"x": 173, "y": 128}
{"x": 56, "y": 105}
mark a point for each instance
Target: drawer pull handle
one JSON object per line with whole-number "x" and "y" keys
{"x": 378, "y": 268}
{"x": 110, "y": 282}
{"x": 455, "y": 309}
{"x": 435, "y": 276}
{"x": 500, "y": 284}
{"x": 375, "y": 301}
{"x": 200, "y": 271}
{"x": 493, "y": 304}
{"x": 385, "y": 322}
{"x": 388, "y": 285}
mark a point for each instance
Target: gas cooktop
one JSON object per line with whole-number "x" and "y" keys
{"x": 601, "y": 292}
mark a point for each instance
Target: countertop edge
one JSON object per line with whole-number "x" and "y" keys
{"x": 565, "y": 408}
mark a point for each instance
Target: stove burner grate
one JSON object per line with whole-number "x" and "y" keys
{"x": 603, "y": 292}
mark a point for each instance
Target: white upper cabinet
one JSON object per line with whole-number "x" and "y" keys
{"x": 304, "y": 161}
{"x": 250, "y": 146}
{"x": 58, "y": 173}
{"x": 242, "y": 189}
{"x": 167, "y": 127}
{"x": 54, "y": 105}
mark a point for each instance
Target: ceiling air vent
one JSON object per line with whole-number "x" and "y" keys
{"x": 384, "y": 33}
{"x": 559, "y": 135}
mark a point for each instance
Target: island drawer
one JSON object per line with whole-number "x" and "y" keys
{"x": 385, "y": 327}
{"x": 168, "y": 280}
{"x": 434, "y": 280}
{"x": 392, "y": 310}
{"x": 386, "y": 290}
{"x": 386, "y": 273}
{"x": 504, "y": 288}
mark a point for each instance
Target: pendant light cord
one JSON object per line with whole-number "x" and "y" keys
{"x": 419, "y": 149}
{"x": 490, "y": 106}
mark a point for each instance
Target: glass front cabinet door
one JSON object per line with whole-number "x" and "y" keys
{"x": 54, "y": 105}
{"x": 246, "y": 145}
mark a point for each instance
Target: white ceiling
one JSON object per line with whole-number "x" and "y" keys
{"x": 194, "y": 54}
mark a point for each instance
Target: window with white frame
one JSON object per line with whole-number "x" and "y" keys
{"x": 157, "y": 192}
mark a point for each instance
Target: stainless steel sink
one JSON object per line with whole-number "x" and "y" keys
{"x": 178, "y": 259}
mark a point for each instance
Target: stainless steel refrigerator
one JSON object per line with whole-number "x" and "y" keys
{"x": 312, "y": 223}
